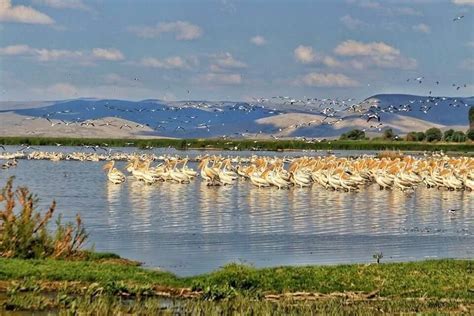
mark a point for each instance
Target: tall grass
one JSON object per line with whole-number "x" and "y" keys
{"x": 24, "y": 230}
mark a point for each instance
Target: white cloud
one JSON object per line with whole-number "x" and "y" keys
{"x": 13, "y": 50}
{"x": 48, "y": 55}
{"x": 355, "y": 48}
{"x": 351, "y": 23}
{"x": 258, "y": 40}
{"x": 64, "y": 4}
{"x": 22, "y": 14}
{"x": 374, "y": 54}
{"x": 174, "y": 62}
{"x": 330, "y": 61}
{"x": 315, "y": 79}
{"x": 306, "y": 55}
{"x": 224, "y": 61}
{"x": 107, "y": 54}
{"x": 220, "y": 79}
{"x": 463, "y": 2}
{"x": 56, "y": 54}
{"x": 182, "y": 30}
{"x": 422, "y": 28}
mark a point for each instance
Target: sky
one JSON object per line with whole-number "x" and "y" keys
{"x": 234, "y": 49}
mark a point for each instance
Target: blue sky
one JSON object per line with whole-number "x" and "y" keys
{"x": 234, "y": 49}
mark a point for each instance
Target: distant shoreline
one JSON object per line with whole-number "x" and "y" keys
{"x": 242, "y": 144}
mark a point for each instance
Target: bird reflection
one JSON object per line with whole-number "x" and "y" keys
{"x": 140, "y": 197}
{"x": 113, "y": 192}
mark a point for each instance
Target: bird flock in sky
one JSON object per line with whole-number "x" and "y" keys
{"x": 167, "y": 118}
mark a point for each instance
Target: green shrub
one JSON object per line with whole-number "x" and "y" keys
{"x": 458, "y": 137}
{"x": 24, "y": 233}
{"x": 470, "y": 134}
{"x": 388, "y": 134}
{"x": 420, "y": 136}
{"x": 355, "y": 134}
{"x": 411, "y": 137}
{"x": 433, "y": 134}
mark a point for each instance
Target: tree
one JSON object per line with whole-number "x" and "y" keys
{"x": 458, "y": 137}
{"x": 415, "y": 137}
{"x": 388, "y": 134}
{"x": 420, "y": 136}
{"x": 354, "y": 134}
{"x": 433, "y": 134}
{"x": 470, "y": 134}
{"x": 411, "y": 137}
{"x": 448, "y": 135}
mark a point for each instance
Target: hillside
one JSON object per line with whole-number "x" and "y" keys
{"x": 204, "y": 119}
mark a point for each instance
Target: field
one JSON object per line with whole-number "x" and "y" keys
{"x": 247, "y": 144}
{"x": 110, "y": 284}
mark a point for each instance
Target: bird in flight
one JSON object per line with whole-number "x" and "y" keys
{"x": 26, "y": 147}
{"x": 458, "y": 18}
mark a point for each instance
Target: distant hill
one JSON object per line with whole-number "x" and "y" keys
{"x": 204, "y": 119}
{"x": 439, "y": 110}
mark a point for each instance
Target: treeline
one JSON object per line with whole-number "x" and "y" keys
{"x": 435, "y": 134}
{"x": 430, "y": 135}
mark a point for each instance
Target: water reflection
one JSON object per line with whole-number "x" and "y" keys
{"x": 194, "y": 228}
{"x": 114, "y": 193}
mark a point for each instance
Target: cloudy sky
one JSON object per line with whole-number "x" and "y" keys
{"x": 233, "y": 49}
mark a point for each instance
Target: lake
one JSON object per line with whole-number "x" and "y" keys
{"x": 193, "y": 228}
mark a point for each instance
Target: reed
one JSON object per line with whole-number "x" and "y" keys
{"x": 245, "y": 144}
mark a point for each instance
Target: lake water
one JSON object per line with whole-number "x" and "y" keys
{"x": 193, "y": 228}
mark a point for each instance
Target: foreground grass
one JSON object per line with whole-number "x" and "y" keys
{"x": 245, "y": 144}
{"x": 432, "y": 278}
{"x": 432, "y": 285}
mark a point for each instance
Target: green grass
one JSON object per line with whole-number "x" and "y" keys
{"x": 246, "y": 144}
{"x": 432, "y": 278}
{"x": 426, "y": 286}
{"x": 84, "y": 271}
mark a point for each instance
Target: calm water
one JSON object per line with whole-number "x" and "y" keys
{"x": 192, "y": 228}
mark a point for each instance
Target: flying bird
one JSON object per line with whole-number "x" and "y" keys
{"x": 458, "y": 18}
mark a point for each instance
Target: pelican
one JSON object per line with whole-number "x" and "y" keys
{"x": 113, "y": 174}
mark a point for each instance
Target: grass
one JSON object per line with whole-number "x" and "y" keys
{"x": 432, "y": 278}
{"x": 427, "y": 286}
{"x": 245, "y": 144}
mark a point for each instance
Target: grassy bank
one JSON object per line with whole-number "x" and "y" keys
{"x": 415, "y": 286}
{"x": 247, "y": 144}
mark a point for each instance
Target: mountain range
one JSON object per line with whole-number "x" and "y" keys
{"x": 90, "y": 117}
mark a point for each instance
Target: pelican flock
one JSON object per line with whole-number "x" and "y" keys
{"x": 402, "y": 172}
{"x": 332, "y": 173}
